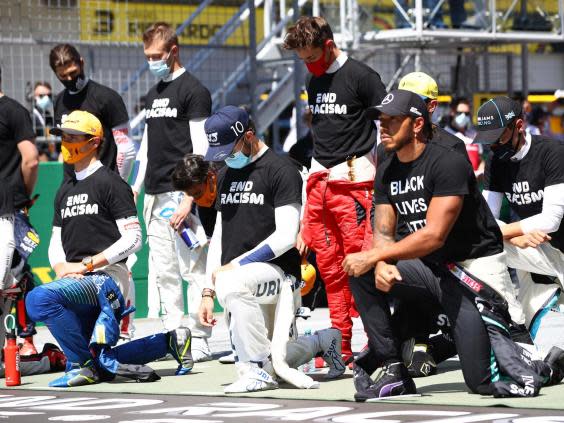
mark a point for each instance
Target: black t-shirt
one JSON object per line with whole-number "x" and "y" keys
{"x": 15, "y": 127}
{"x": 6, "y": 199}
{"x": 104, "y": 103}
{"x": 87, "y": 211}
{"x": 440, "y": 172}
{"x": 170, "y": 107}
{"x": 338, "y": 101}
{"x": 523, "y": 182}
{"x": 247, "y": 198}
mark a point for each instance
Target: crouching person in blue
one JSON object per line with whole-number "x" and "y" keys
{"x": 95, "y": 228}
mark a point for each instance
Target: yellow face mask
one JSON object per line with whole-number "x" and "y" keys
{"x": 72, "y": 151}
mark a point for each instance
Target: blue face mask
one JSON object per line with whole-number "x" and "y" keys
{"x": 160, "y": 68}
{"x": 43, "y": 102}
{"x": 237, "y": 160}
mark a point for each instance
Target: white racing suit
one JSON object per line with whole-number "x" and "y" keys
{"x": 542, "y": 303}
{"x": 171, "y": 261}
{"x": 261, "y": 300}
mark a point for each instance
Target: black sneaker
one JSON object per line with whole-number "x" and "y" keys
{"x": 361, "y": 378}
{"x": 392, "y": 381}
{"x": 555, "y": 359}
{"x": 417, "y": 359}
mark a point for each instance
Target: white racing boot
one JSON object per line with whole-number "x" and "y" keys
{"x": 200, "y": 349}
{"x": 253, "y": 378}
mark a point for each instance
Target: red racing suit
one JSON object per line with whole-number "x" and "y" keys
{"x": 336, "y": 222}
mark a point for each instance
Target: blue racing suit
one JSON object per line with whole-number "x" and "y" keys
{"x": 84, "y": 315}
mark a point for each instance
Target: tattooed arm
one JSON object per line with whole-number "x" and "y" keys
{"x": 385, "y": 220}
{"x": 440, "y": 218}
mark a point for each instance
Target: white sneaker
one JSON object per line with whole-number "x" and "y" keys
{"x": 227, "y": 359}
{"x": 256, "y": 379}
{"x": 330, "y": 345}
{"x": 201, "y": 350}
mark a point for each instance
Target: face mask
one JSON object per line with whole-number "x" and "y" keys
{"x": 43, "y": 102}
{"x": 237, "y": 160}
{"x": 504, "y": 152}
{"x": 208, "y": 197}
{"x": 319, "y": 67}
{"x": 76, "y": 84}
{"x": 462, "y": 120}
{"x": 71, "y": 151}
{"x": 160, "y": 68}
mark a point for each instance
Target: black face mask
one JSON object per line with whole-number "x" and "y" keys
{"x": 75, "y": 84}
{"x": 504, "y": 152}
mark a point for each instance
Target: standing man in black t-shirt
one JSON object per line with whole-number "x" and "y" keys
{"x": 95, "y": 229}
{"x": 82, "y": 93}
{"x": 176, "y": 108}
{"x": 528, "y": 170}
{"x": 252, "y": 262}
{"x": 454, "y": 242}
{"x": 19, "y": 164}
{"x": 342, "y": 169}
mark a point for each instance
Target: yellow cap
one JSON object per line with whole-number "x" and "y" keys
{"x": 80, "y": 122}
{"x": 420, "y": 83}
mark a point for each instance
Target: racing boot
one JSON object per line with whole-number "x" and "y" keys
{"x": 253, "y": 378}
{"x": 200, "y": 350}
{"x": 555, "y": 359}
{"x": 417, "y": 359}
{"x": 180, "y": 347}
{"x": 361, "y": 378}
{"x": 330, "y": 345}
{"x": 393, "y": 380}
{"x": 27, "y": 348}
{"x": 77, "y": 376}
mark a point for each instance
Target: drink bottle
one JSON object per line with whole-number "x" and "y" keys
{"x": 12, "y": 360}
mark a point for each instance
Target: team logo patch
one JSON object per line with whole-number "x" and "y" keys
{"x": 415, "y": 110}
{"x": 219, "y": 156}
{"x": 388, "y": 99}
{"x": 212, "y": 138}
{"x": 510, "y": 115}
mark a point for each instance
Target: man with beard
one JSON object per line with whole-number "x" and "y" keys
{"x": 450, "y": 258}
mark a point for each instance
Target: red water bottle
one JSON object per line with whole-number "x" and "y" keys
{"x": 12, "y": 360}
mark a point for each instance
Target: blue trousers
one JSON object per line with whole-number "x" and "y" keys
{"x": 83, "y": 315}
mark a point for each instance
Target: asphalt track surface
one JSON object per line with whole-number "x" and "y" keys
{"x": 60, "y": 406}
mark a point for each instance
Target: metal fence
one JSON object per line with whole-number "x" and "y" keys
{"x": 215, "y": 41}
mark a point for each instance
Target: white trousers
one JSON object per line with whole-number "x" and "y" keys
{"x": 171, "y": 261}
{"x": 250, "y": 294}
{"x": 544, "y": 260}
{"x": 493, "y": 271}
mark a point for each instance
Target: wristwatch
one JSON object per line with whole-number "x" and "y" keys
{"x": 89, "y": 263}
{"x": 207, "y": 292}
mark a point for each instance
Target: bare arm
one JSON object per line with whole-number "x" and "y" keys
{"x": 440, "y": 218}
{"x": 385, "y": 220}
{"x": 30, "y": 164}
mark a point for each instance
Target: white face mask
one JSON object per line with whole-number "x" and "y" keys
{"x": 462, "y": 121}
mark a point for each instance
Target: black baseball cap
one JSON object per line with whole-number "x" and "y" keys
{"x": 223, "y": 129}
{"x": 494, "y": 116}
{"x": 399, "y": 103}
